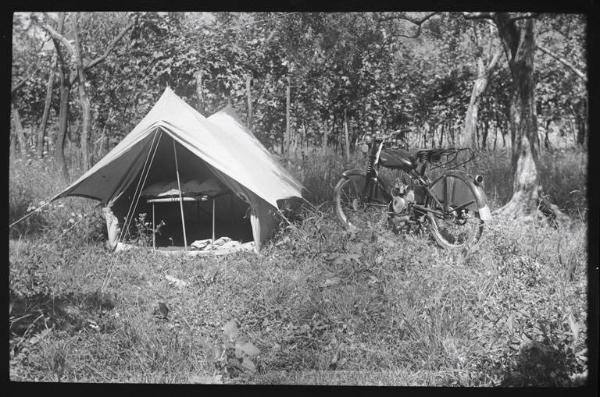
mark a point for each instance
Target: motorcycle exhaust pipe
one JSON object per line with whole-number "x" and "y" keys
{"x": 478, "y": 180}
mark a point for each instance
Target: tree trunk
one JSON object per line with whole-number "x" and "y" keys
{"x": 481, "y": 82}
{"x": 13, "y": 146}
{"x": 518, "y": 38}
{"x": 484, "y": 135}
{"x": 546, "y": 133}
{"x": 249, "y": 99}
{"x": 59, "y": 150}
{"x": 47, "y": 103}
{"x": 286, "y": 138}
{"x": 346, "y": 137}
{"x": 581, "y": 123}
{"x": 84, "y": 99}
{"x": 63, "y": 110}
{"x": 18, "y": 126}
{"x": 495, "y": 136}
{"x": 198, "y": 76}
{"x": 325, "y": 138}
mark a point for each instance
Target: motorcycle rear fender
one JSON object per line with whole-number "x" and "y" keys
{"x": 480, "y": 197}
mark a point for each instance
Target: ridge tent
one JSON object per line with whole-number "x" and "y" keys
{"x": 177, "y": 155}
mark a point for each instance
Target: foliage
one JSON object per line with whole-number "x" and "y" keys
{"x": 358, "y": 63}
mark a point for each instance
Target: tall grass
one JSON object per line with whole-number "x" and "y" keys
{"x": 322, "y": 305}
{"x": 563, "y": 175}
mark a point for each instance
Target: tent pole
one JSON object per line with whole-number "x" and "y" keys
{"x": 180, "y": 197}
{"x": 213, "y": 222}
{"x": 153, "y": 229}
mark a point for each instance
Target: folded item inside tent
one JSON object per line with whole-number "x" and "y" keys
{"x": 192, "y": 187}
{"x": 221, "y": 242}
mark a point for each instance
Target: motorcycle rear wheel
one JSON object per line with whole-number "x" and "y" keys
{"x": 455, "y": 229}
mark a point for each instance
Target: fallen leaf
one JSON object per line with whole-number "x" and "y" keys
{"x": 175, "y": 281}
{"x": 248, "y": 348}
{"x": 248, "y": 364}
{"x": 331, "y": 281}
{"x": 230, "y": 329}
{"x": 40, "y": 336}
{"x": 206, "y": 379}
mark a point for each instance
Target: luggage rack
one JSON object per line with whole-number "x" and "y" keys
{"x": 448, "y": 158}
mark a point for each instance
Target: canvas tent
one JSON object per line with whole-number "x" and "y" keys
{"x": 177, "y": 155}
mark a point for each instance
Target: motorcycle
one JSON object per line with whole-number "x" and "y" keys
{"x": 452, "y": 205}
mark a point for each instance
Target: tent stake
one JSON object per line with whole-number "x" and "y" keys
{"x": 180, "y": 197}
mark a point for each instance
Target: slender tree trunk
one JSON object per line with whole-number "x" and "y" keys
{"x": 325, "y": 138}
{"x": 18, "y": 126}
{"x": 249, "y": 99}
{"x": 484, "y": 135}
{"x": 13, "y": 145}
{"x": 286, "y": 139}
{"x": 346, "y": 137}
{"x": 581, "y": 123}
{"x": 479, "y": 86}
{"x": 546, "y": 133}
{"x": 495, "y": 135}
{"x": 84, "y": 98}
{"x": 198, "y": 76}
{"x": 63, "y": 110}
{"x": 47, "y": 103}
{"x": 59, "y": 150}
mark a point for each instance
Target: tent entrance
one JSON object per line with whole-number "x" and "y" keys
{"x": 181, "y": 193}
{"x": 198, "y": 216}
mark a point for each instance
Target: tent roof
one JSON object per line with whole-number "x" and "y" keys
{"x": 221, "y": 141}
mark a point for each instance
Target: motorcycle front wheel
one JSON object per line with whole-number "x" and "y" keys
{"x": 353, "y": 211}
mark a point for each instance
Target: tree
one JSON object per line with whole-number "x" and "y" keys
{"x": 517, "y": 34}
{"x": 78, "y": 74}
{"x": 486, "y": 63}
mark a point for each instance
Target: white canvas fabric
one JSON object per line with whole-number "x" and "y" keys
{"x": 231, "y": 152}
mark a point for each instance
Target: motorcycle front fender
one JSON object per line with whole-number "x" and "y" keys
{"x": 353, "y": 172}
{"x": 359, "y": 178}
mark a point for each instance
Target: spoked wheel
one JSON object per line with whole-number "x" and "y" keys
{"x": 351, "y": 209}
{"x": 458, "y": 224}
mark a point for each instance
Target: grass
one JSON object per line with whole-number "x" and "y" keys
{"x": 321, "y": 305}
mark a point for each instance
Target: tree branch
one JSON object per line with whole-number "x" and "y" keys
{"x": 55, "y": 35}
{"x": 525, "y": 15}
{"x": 19, "y": 85}
{"x": 416, "y": 21}
{"x": 111, "y": 46}
{"x": 408, "y": 18}
{"x": 568, "y": 64}
{"x": 478, "y": 15}
{"x": 494, "y": 62}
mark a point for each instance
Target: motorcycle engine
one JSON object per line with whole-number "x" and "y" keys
{"x": 402, "y": 195}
